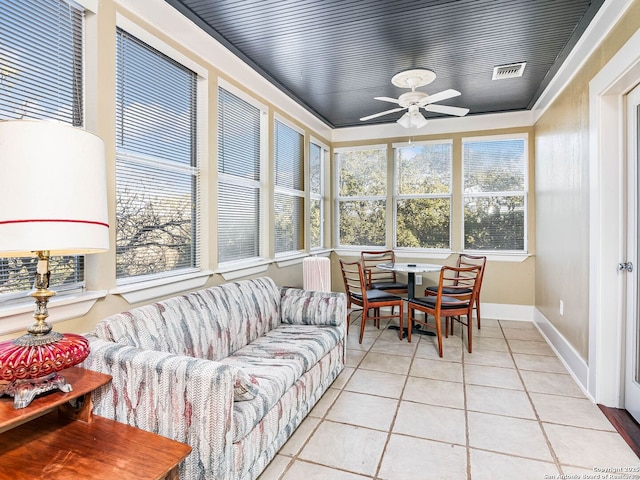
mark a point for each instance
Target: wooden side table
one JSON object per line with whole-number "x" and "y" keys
{"x": 56, "y": 440}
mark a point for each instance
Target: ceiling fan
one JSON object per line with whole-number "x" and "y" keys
{"x": 413, "y": 101}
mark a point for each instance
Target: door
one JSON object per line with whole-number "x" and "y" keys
{"x": 629, "y": 267}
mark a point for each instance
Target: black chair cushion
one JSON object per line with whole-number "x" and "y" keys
{"x": 449, "y": 290}
{"x": 388, "y": 286}
{"x": 378, "y": 295}
{"x": 448, "y": 302}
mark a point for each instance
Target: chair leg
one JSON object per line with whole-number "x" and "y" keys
{"x": 469, "y": 330}
{"x": 439, "y": 333}
{"x": 478, "y": 311}
{"x": 363, "y": 320}
{"x": 409, "y": 324}
{"x": 400, "y": 319}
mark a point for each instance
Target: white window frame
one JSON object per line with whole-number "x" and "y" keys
{"x": 289, "y": 191}
{"x": 238, "y": 268}
{"x": 144, "y": 291}
{"x": 322, "y": 195}
{"x": 397, "y": 196}
{"x": 525, "y": 193}
{"x": 338, "y": 198}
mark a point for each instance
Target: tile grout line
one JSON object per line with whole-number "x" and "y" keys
{"x": 395, "y": 416}
{"x": 556, "y": 460}
{"x": 322, "y": 419}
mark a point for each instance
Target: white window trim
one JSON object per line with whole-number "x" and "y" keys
{"x": 325, "y": 151}
{"x": 160, "y": 287}
{"x": 282, "y": 258}
{"x": 19, "y": 316}
{"x": 238, "y": 268}
{"x": 171, "y": 284}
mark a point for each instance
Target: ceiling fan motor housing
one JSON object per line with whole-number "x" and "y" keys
{"x": 411, "y": 98}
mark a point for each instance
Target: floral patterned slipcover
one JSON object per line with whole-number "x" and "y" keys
{"x": 230, "y": 370}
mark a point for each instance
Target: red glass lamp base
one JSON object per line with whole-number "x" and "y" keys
{"x": 32, "y": 369}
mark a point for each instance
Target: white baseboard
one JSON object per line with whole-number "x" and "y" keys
{"x": 568, "y": 355}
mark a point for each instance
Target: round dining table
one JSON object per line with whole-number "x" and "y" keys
{"x": 410, "y": 269}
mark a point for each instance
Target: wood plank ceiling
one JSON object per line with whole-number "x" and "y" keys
{"x": 334, "y": 56}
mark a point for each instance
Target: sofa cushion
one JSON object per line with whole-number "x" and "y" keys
{"x": 209, "y": 323}
{"x": 277, "y": 360}
{"x": 310, "y": 310}
{"x": 305, "y": 343}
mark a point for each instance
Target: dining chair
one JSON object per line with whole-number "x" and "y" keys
{"x": 369, "y": 299}
{"x": 461, "y": 285}
{"x": 465, "y": 260}
{"x": 381, "y": 279}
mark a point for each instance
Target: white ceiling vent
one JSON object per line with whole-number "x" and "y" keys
{"x": 512, "y": 70}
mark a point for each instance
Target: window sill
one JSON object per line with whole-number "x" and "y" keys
{"x": 18, "y": 317}
{"x": 239, "y": 270}
{"x": 146, "y": 291}
{"x": 289, "y": 259}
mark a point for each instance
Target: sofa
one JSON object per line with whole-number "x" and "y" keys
{"x": 230, "y": 370}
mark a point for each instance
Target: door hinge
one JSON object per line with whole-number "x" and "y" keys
{"x": 628, "y": 266}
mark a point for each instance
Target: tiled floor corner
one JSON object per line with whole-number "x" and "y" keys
{"x": 399, "y": 412}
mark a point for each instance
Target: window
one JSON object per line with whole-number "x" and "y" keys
{"x": 495, "y": 193}
{"x": 41, "y": 78}
{"x": 423, "y": 195}
{"x": 317, "y": 156}
{"x": 288, "y": 189}
{"x": 240, "y": 140}
{"x": 361, "y": 196}
{"x": 156, "y": 163}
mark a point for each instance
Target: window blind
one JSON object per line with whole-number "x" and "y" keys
{"x": 41, "y": 78}
{"x": 289, "y": 188}
{"x": 239, "y": 187}
{"x": 156, "y": 166}
{"x": 494, "y": 193}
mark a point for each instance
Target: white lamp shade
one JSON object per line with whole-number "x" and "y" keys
{"x": 54, "y": 192}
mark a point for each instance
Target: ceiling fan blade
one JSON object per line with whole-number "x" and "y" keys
{"x": 387, "y": 99}
{"x": 460, "y": 112}
{"x": 393, "y": 110}
{"x": 436, "y": 97}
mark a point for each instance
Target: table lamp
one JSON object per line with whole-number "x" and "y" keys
{"x": 53, "y": 201}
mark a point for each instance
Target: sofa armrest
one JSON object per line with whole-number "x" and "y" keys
{"x": 308, "y": 307}
{"x": 183, "y": 398}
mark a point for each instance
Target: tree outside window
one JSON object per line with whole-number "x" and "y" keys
{"x": 495, "y": 194}
{"x": 423, "y": 195}
{"x": 362, "y": 196}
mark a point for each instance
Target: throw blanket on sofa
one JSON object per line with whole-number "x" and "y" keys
{"x": 230, "y": 370}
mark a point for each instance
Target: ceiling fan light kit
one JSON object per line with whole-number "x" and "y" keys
{"x": 414, "y": 100}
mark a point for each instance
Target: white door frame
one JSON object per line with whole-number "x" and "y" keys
{"x": 607, "y": 222}
{"x": 631, "y": 385}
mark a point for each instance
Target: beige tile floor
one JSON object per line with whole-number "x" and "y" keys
{"x": 509, "y": 410}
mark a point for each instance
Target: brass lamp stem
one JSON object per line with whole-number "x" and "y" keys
{"x": 40, "y": 333}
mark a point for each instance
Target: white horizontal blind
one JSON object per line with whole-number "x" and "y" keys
{"x": 239, "y": 182}
{"x": 495, "y": 194}
{"x": 41, "y": 78}
{"x": 361, "y": 196}
{"x": 423, "y": 195}
{"x": 289, "y": 189}
{"x": 156, "y": 165}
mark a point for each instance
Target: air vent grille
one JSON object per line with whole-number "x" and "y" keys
{"x": 512, "y": 70}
